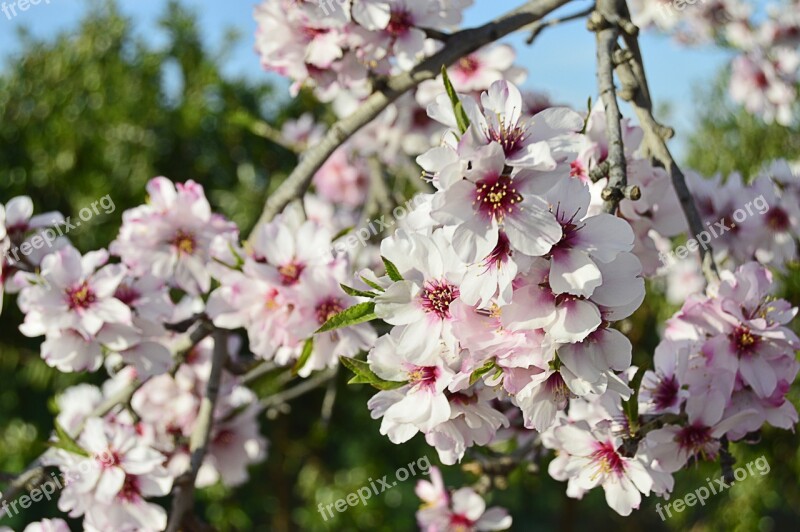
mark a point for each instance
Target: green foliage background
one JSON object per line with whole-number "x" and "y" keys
{"x": 89, "y": 113}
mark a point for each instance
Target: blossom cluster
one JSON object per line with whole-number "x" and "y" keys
{"x": 135, "y": 454}
{"x": 723, "y": 369}
{"x": 462, "y": 509}
{"x": 766, "y": 71}
{"x": 505, "y": 283}
{"x": 92, "y": 311}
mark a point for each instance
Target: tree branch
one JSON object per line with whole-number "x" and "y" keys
{"x": 538, "y": 27}
{"x": 459, "y": 44}
{"x": 183, "y": 499}
{"x": 632, "y": 77}
{"x": 304, "y": 387}
{"x": 603, "y": 22}
{"x": 32, "y": 476}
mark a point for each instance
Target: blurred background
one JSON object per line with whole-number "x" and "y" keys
{"x": 97, "y": 98}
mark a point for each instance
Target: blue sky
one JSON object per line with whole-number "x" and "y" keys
{"x": 561, "y": 61}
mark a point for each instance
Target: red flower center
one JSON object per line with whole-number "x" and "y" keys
{"x": 400, "y": 22}
{"x": 666, "y": 393}
{"x": 468, "y": 65}
{"x": 290, "y": 273}
{"x": 607, "y": 458}
{"x": 496, "y": 197}
{"x": 81, "y": 296}
{"x": 437, "y": 297}
{"x": 184, "y": 242}
{"x": 328, "y": 308}
{"x": 694, "y": 438}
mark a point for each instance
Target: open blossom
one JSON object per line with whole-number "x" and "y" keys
{"x": 463, "y": 510}
{"x": 593, "y": 459}
{"x": 288, "y": 287}
{"x": 110, "y": 485}
{"x": 473, "y": 421}
{"x": 73, "y": 292}
{"x": 419, "y": 405}
{"x": 491, "y": 198}
{"x": 475, "y": 72}
{"x": 419, "y": 305}
{"x": 171, "y": 236}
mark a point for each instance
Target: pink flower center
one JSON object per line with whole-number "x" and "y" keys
{"x": 108, "y": 459}
{"x": 312, "y": 33}
{"x": 745, "y": 341}
{"x": 468, "y": 65}
{"x": 496, "y": 197}
{"x": 130, "y": 491}
{"x": 290, "y": 273}
{"x": 569, "y": 228}
{"x": 460, "y": 523}
{"x": 127, "y": 294}
{"x": 81, "y": 296}
{"x": 224, "y": 437}
{"x": 694, "y": 438}
{"x": 777, "y": 219}
{"x": 437, "y": 297}
{"x": 576, "y": 169}
{"x": 328, "y": 308}
{"x": 666, "y": 393}
{"x": 607, "y": 459}
{"x": 400, "y": 22}
{"x": 184, "y": 242}
{"x": 557, "y": 388}
{"x": 510, "y": 138}
{"x": 425, "y": 376}
{"x": 501, "y": 252}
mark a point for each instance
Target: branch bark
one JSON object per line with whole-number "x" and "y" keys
{"x": 604, "y": 22}
{"x": 183, "y": 499}
{"x": 632, "y": 77}
{"x": 458, "y": 45}
{"x": 34, "y": 473}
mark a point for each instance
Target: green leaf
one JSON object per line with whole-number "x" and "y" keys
{"x": 588, "y": 114}
{"x": 355, "y": 292}
{"x": 341, "y": 233}
{"x": 67, "y": 442}
{"x": 391, "y": 270}
{"x": 462, "y": 120}
{"x": 354, "y": 315}
{"x": 481, "y": 371}
{"x": 376, "y": 286}
{"x": 363, "y": 375}
{"x": 631, "y": 406}
{"x": 308, "y": 347}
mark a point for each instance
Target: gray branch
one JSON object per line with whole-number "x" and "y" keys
{"x": 459, "y": 44}
{"x": 183, "y": 499}
{"x": 632, "y": 77}
{"x": 605, "y": 23}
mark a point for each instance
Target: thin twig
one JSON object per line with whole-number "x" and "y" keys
{"x": 183, "y": 499}
{"x": 540, "y": 26}
{"x": 301, "y": 389}
{"x": 631, "y": 75}
{"x": 603, "y": 22}
{"x": 28, "y": 478}
{"x": 264, "y": 130}
{"x": 459, "y": 45}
